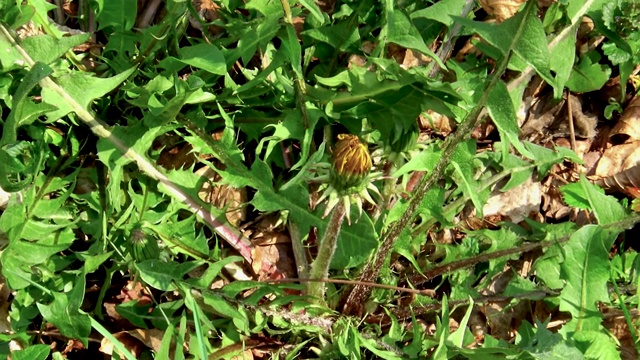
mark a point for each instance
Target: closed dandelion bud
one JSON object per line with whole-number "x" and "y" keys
{"x": 351, "y": 163}
{"x": 143, "y": 247}
{"x": 406, "y": 140}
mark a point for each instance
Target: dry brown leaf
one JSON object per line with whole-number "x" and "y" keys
{"x": 5, "y": 293}
{"x": 542, "y": 4}
{"x": 436, "y": 122}
{"x": 517, "y": 203}
{"x": 152, "y": 338}
{"x": 273, "y": 244}
{"x": 502, "y": 319}
{"x": 414, "y": 58}
{"x": 177, "y": 157}
{"x": 628, "y": 126}
{"x": 4, "y": 199}
{"x": 72, "y": 345}
{"x": 501, "y": 9}
{"x": 356, "y": 61}
{"x": 548, "y": 118}
{"x": 130, "y": 342}
{"x": 619, "y": 167}
{"x": 223, "y": 196}
{"x": 615, "y": 322}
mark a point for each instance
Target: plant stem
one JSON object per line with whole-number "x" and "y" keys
{"x": 299, "y": 253}
{"x": 320, "y": 266}
{"x": 359, "y": 294}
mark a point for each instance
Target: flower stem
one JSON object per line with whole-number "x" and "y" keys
{"x": 320, "y": 266}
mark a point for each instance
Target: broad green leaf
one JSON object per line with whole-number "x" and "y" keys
{"x": 22, "y": 108}
{"x": 65, "y": 314}
{"x": 548, "y": 268}
{"x": 291, "y": 47}
{"x": 165, "y": 346}
{"x": 545, "y": 158}
{"x": 20, "y": 255}
{"x": 441, "y": 11}
{"x": 181, "y": 237}
{"x": 423, "y": 161}
{"x": 585, "y": 195}
{"x": 32, "y": 352}
{"x": 46, "y": 49}
{"x": 11, "y": 58}
{"x": 164, "y": 275}
{"x": 469, "y": 186}
{"x": 548, "y": 345}
{"x": 213, "y": 271}
{"x": 404, "y": 33}
{"x": 162, "y": 113}
{"x": 562, "y": 58}
{"x": 204, "y": 56}
{"x": 121, "y": 14}
{"x": 93, "y": 262}
{"x": 464, "y": 174}
{"x": 83, "y": 88}
{"x": 15, "y": 14}
{"x": 221, "y": 307}
{"x": 253, "y": 38}
{"x": 596, "y": 345}
{"x": 503, "y": 114}
{"x": 292, "y": 128}
{"x": 21, "y": 160}
{"x": 342, "y": 36}
{"x": 134, "y": 312}
{"x": 586, "y": 272}
{"x": 355, "y": 243}
{"x": 137, "y": 138}
{"x": 313, "y": 9}
{"x": 588, "y": 75}
{"x": 459, "y": 336}
{"x": 525, "y": 26}
{"x": 523, "y": 171}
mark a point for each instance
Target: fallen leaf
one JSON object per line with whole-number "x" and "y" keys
{"x": 222, "y": 196}
{"x": 5, "y": 320}
{"x": 436, "y": 122}
{"x": 501, "y": 9}
{"x": 152, "y": 338}
{"x": 130, "y": 342}
{"x": 517, "y": 203}
{"x": 619, "y": 167}
{"x": 548, "y": 118}
{"x": 628, "y": 126}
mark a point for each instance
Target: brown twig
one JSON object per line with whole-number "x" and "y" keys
{"x": 572, "y": 132}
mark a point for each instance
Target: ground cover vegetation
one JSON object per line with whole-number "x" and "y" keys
{"x": 319, "y": 179}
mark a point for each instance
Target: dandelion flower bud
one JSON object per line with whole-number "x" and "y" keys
{"x": 351, "y": 163}
{"x": 142, "y": 246}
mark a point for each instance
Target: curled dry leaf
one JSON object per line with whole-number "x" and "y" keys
{"x": 549, "y": 119}
{"x": 501, "y": 9}
{"x": 414, "y": 58}
{"x": 628, "y": 127}
{"x": 223, "y": 196}
{"x": 4, "y": 199}
{"x": 517, "y": 203}
{"x": 272, "y": 243}
{"x": 619, "y": 167}
{"x": 5, "y": 294}
{"x": 130, "y": 342}
{"x": 436, "y": 122}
